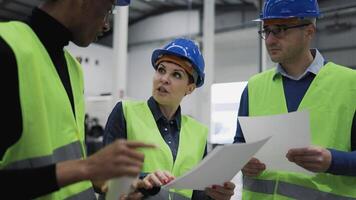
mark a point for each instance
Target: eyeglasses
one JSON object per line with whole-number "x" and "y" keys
{"x": 278, "y": 31}
{"x": 109, "y": 13}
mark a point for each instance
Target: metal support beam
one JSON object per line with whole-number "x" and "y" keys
{"x": 204, "y": 97}
{"x": 120, "y": 53}
{"x": 262, "y": 47}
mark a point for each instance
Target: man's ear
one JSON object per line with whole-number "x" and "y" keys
{"x": 310, "y": 30}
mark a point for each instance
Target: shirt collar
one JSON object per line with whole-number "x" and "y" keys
{"x": 51, "y": 32}
{"x": 158, "y": 115}
{"x": 314, "y": 67}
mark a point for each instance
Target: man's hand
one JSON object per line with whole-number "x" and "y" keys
{"x": 120, "y": 158}
{"x": 315, "y": 159}
{"x": 253, "y": 168}
{"x": 218, "y": 192}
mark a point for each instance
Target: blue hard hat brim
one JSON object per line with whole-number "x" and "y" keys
{"x": 287, "y": 17}
{"x": 279, "y": 17}
{"x": 122, "y": 2}
{"x": 257, "y": 20}
{"x": 160, "y": 52}
{"x": 266, "y": 18}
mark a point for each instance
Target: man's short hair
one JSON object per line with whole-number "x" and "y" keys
{"x": 309, "y": 20}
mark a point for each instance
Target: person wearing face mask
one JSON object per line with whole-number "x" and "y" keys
{"x": 302, "y": 80}
{"x": 43, "y": 154}
{"x": 181, "y": 140}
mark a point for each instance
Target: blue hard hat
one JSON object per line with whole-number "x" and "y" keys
{"x": 186, "y": 49}
{"x": 122, "y": 2}
{"x": 284, "y": 9}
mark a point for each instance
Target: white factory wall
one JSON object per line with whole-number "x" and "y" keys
{"x": 97, "y": 66}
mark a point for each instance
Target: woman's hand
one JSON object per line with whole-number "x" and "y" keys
{"x": 219, "y": 192}
{"x": 157, "y": 178}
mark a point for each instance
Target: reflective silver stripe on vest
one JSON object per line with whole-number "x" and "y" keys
{"x": 289, "y": 190}
{"x": 300, "y": 192}
{"x": 261, "y": 186}
{"x": 88, "y": 194}
{"x": 68, "y": 152}
{"x": 164, "y": 195}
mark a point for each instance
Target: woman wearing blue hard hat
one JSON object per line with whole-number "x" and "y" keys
{"x": 181, "y": 140}
{"x": 302, "y": 80}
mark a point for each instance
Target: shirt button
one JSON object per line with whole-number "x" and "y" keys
{"x": 169, "y": 142}
{"x": 171, "y": 122}
{"x": 165, "y": 129}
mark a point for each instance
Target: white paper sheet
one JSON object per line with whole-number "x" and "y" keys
{"x": 219, "y": 166}
{"x": 119, "y": 186}
{"x": 291, "y": 130}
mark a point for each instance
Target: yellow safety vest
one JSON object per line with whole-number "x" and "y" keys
{"x": 141, "y": 126}
{"x": 331, "y": 101}
{"x": 51, "y": 133}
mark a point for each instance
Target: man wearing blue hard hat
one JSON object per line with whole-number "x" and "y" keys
{"x": 303, "y": 79}
{"x": 181, "y": 140}
{"x": 42, "y": 155}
